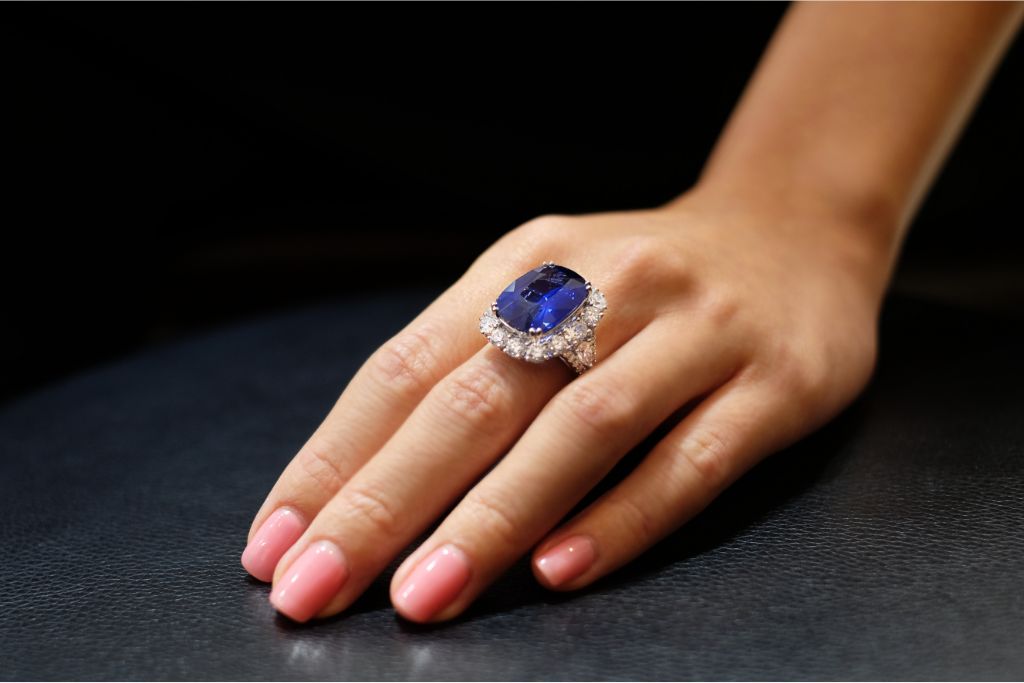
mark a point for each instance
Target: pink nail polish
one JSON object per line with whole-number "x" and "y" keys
{"x": 567, "y": 560}
{"x": 311, "y": 581}
{"x": 271, "y": 542}
{"x": 435, "y": 582}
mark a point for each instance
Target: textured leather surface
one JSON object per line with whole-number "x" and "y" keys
{"x": 888, "y": 545}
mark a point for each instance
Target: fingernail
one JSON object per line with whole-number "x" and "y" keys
{"x": 567, "y": 560}
{"x": 278, "y": 533}
{"x": 435, "y": 582}
{"x": 310, "y": 583}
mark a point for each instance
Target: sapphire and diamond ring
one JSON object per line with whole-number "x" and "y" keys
{"x": 548, "y": 312}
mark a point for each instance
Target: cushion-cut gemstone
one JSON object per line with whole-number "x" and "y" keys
{"x": 542, "y": 298}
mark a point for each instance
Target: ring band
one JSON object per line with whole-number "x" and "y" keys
{"x": 550, "y": 311}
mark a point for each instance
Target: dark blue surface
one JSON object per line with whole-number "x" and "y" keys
{"x": 886, "y": 546}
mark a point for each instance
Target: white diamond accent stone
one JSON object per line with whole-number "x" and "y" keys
{"x": 498, "y": 337}
{"x": 590, "y": 316}
{"x": 597, "y": 300}
{"x": 515, "y": 347}
{"x": 535, "y": 353}
{"x": 586, "y": 352}
{"x": 558, "y": 345}
{"x": 488, "y": 323}
{"x": 576, "y": 330}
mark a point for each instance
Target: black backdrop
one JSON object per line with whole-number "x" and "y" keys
{"x": 170, "y": 168}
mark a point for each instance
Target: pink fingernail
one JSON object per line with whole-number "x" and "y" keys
{"x": 278, "y": 533}
{"x": 567, "y": 560}
{"x": 435, "y": 582}
{"x": 314, "y": 578}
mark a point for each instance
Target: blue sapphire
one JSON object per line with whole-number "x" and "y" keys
{"x": 542, "y": 298}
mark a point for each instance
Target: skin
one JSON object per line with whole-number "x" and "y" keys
{"x": 753, "y": 296}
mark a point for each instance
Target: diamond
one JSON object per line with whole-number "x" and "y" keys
{"x": 590, "y": 316}
{"x": 498, "y": 337}
{"x": 488, "y": 323}
{"x": 597, "y": 300}
{"x": 515, "y": 347}
{"x": 575, "y": 331}
{"x": 586, "y": 352}
{"x": 558, "y": 345}
{"x": 535, "y": 353}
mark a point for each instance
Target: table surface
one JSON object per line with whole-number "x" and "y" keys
{"x": 890, "y": 544}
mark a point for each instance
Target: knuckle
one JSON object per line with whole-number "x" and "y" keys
{"x": 475, "y": 394}
{"x": 600, "y": 406}
{"x": 720, "y": 306}
{"x": 637, "y": 518}
{"x": 540, "y": 238}
{"x": 544, "y": 224}
{"x": 640, "y": 256}
{"x": 316, "y": 463}
{"x": 540, "y": 234}
{"x": 373, "y": 507}
{"x": 646, "y": 261}
{"x": 490, "y": 514}
{"x": 819, "y": 377}
{"x": 708, "y": 453}
{"x": 804, "y": 374}
{"x": 407, "y": 362}
{"x": 811, "y": 378}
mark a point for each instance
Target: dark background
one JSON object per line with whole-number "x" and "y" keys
{"x": 173, "y": 168}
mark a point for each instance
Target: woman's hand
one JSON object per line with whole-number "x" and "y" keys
{"x": 762, "y": 319}
{"x": 752, "y": 300}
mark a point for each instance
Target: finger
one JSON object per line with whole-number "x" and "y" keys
{"x": 461, "y": 427}
{"x": 723, "y": 437}
{"x": 572, "y": 444}
{"x": 377, "y": 400}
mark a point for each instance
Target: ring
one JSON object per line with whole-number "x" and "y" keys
{"x": 550, "y": 311}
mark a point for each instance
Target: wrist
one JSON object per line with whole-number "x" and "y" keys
{"x": 860, "y": 237}
{"x": 870, "y": 219}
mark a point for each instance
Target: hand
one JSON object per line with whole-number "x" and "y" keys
{"x": 766, "y": 321}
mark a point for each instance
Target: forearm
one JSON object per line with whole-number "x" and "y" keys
{"x": 853, "y": 109}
